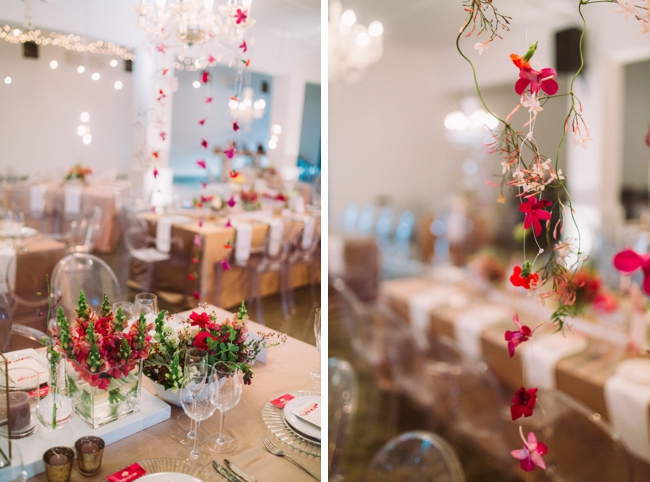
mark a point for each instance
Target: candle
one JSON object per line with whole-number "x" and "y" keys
{"x": 58, "y": 459}
{"x": 19, "y": 412}
{"x": 89, "y": 448}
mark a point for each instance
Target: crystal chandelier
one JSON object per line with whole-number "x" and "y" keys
{"x": 352, "y": 47}
{"x": 195, "y": 25}
{"x": 246, "y": 110}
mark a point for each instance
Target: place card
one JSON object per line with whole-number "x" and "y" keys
{"x": 131, "y": 472}
{"x": 282, "y": 400}
{"x": 309, "y": 412}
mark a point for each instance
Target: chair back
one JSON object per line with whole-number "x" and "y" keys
{"x": 343, "y": 395}
{"x": 350, "y": 216}
{"x": 415, "y": 457}
{"x": 83, "y": 229}
{"x": 136, "y": 232}
{"x": 5, "y": 323}
{"x": 383, "y": 226}
{"x": 404, "y": 228}
{"x": 366, "y": 220}
{"x": 83, "y": 272}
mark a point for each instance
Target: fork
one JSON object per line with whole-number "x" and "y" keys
{"x": 276, "y": 451}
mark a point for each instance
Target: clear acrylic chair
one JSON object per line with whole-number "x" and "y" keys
{"x": 383, "y": 227}
{"x": 366, "y": 220}
{"x": 350, "y": 216}
{"x": 343, "y": 394}
{"x": 415, "y": 457}
{"x": 87, "y": 273}
{"x": 311, "y": 256}
{"x": 79, "y": 231}
{"x": 9, "y": 329}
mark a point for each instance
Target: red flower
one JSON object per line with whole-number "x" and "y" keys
{"x": 155, "y": 154}
{"x": 247, "y": 62}
{"x": 204, "y": 144}
{"x": 544, "y": 79}
{"x": 201, "y": 320}
{"x": 211, "y": 59}
{"x": 201, "y": 223}
{"x": 197, "y": 295}
{"x": 534, "y": 213}
{"x": 228, "y": 224}
{"x": 162, "y": 135}
{"x": 224, "y": 264}
{"x": 233, "y": 174}
{"x": 244, "y": 46}
{"x": 523, "y": 403}
{"x": 235, "y": 126}
{"x": 519, "y": 61}
{"x": 208, "y": 100}
{"x": 202, "y": 121}
{"x": 531, "y": 454}
{"x": 528, "y": 282}
{"x": 191, "y": 277}
{"x": 155, "y": 173}
{"x": 199, "y": 339}
{"x": 205, "y": 77}
{"x": 516, "y": 338}
{"x": 231, "y": 202}
{"x": 241, "y": 16}
{"x": 628, "y": 261}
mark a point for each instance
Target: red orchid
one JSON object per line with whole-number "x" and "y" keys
{"x": 197, "y": 296}
{"x": 164, "y": 72}
{"x": 162, "y": 95}
{"x": 235, "y": 126}
{"x": 191, "y": 277}
{"x": 521, "y": 276}
{"x": 211, "y": 59}
{"x": 197, "y": 240}
{"x": 628, "y": 261}
{"x": 233, "y": 174}
{"x": 201, "y": 336}
{"x": 246, "y": 62}
{"x": 523, "y": 403}
{"x": 227, "y": 245}
{"x": 201, "y": 163}
{"x": 206, "y": 198}
{"x": 516, "y": 338}
{"x": 241, "y": 16}
{"x": 224, "y": 264}
{"x": 228, "y": 225}
{"x": 205, "y": 77}
{"x": 234, "y": 97}
{"x": 201, "y": 320}
{"x": 201, "y": 122}
{"x": 230, "y": 152}
{"x": 544, "y": 79}
{"x": 155, "y": 173}
{"x": 531, "y": 454}
{"x": 231, "y": 202}
{"x": 534, "y": 212}
{"x": 204, "y": 144}
{"x": 204, "y": 184}
{"x": 208, "y": 100}
{"x": 243, "y": 46}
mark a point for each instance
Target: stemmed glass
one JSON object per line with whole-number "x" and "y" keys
{"x": 192, "y": 356}
{"x": 146, "y": 303}
{"x": 227, "y": 379}
{"x": 197, "y": 402}
{"x": 127, "y": 309}
{"x": 315, "y": 375}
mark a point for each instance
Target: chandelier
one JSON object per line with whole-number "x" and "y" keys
{"x": 195, "y": 27}
{"x": 352, "y": 47}
{"x": 246, "y": 110}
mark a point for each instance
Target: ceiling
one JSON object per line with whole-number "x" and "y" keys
{"x": 298, "y": 18}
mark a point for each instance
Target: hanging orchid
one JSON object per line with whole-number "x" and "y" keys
{"x": 531, "y": 454}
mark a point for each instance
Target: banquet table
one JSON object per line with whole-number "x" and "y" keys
{"x": 214, "y": 237}
{"x": 287, "y": 369}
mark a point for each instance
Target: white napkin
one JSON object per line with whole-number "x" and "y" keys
{"x": 243, "y": 240}
{"x": 6, "y": 254}
{"x": 421, "y": 304}
{"x": 309, "y": 223}
{"x": 469, "y": 325}
{"x": 72, "y": 199}
{"x": 37, "y": 198}
{"x": 164, "y": 231}
{"x": 627, "y": 406}
{"x": 300, "y": 205}
{"x": 542, "y": 353}
{"x": 276, "y": 226}
{"x": 335, "y": 261}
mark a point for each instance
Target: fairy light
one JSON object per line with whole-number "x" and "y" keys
{"x": 118, "y": 85}
{"x": 95, "y": 76}
{"x": 54, "y": 64}
{"x": 81, "y": 130}
{"x": 85, "y": 117}
{"x": 113, "y": 63}
{"x": 277, "y": 129}
{"x": 87, "y": 138}
{"x": 81, "y": 69}
{"x": 7, "y": 80}
{"x": 196, "y": 84}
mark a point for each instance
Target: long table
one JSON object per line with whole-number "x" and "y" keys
{"x": 287, "y": 369}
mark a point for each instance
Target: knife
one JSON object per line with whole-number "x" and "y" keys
{"x": 239, "y": 472}
{"x": 223, "y": 471}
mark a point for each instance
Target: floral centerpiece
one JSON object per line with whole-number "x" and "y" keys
{"x": 105, "y": 354}
{"x": 250, "y": 199}
{"x": 226, "y": 341}
{"x": 78, "y": 172}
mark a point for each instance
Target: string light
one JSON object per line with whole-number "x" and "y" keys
{"x": 87, "y": 138}
{"x": 85, "y": 117}
{"x": 196, "y": 84}
{"x": 68, "y": 42}
{"x": 7, "y": 80}
{"x": 54, "y": 64}
{"x": 95, "y": 76}
{"x": 113, "y": 63}
{"x": 118, "y": 85}
{"x": 81, "y": 69}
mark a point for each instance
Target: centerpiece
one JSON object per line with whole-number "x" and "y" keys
{"x": 227, "y": 341}
{"x": 250, "y": 199}
{"x": 105, "y": 354}
{"x": 78, "y": 172}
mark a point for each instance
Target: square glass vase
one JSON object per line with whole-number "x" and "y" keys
{"x": 99, "y": 406}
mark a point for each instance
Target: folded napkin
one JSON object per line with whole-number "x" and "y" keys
{"x": 309, "y": 223}
{"x": 243, "y": 240}
{"x": 37, "y": 198}
{"x": 276, "y": 226}
{"x": 72, "y": 199}
{"x": 627, "y": 395}
{"x": 543, "y": 352}
{"x": 164, "y": 231}
{"x": 420, "y": 305}
{"x": 6, "y": 255}
{"x": 335, "y": 249}
{"x": 469, "y": 326}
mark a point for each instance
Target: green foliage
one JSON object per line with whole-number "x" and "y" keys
{"x": 65, "y": 338}
{"x": 175, "y": 375}
{"x": 83, "y": 311}
{"x": 242, "y": 314}
{"x": 106, "y": 306}
{"x": 142, "y": 331}
{"x": 94, "y": 358}
{"x": 120, "y": 319}
{"x": 125, "y": 349}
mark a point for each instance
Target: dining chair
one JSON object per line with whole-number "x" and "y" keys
{"x": 383, "y": 227}
{"x": 79, "y": 231}
{"x": 416, "y": 456}
{"x": 9, "y": 329}
{"x": 342, "y": 396}
{"x": 366, "y": 220}
{"x": 83, "y": 272}
{"x": 350, "y": 216}
{"x": 310, "y": 255}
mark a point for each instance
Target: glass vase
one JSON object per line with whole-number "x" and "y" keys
{"x": 117, "y": 394}
{"x": 55, "y": 410}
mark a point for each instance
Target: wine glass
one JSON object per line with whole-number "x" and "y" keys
{"x": 127, "y": 309}
{"x": 146, "y": 303}
{"x": 315, "y": 375}
{"x": 192, "y": 356}
{"x": 227, "y": 382}
{"x": 197, "y": 402}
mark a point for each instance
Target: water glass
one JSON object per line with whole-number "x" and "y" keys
{"x": 315, "y": 376}
{"x": 127, "y": 309}
{"x": 192, "y": 356}
{"x": 146, "y": 303}
{"x": 228, "y": 384}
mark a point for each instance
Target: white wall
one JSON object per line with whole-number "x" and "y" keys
{"x": 636, "y": 154}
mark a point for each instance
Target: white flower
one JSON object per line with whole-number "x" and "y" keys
{"x": 626, "y": 9}
{"x": 531, "y": 103}
{"x": 217, "y": 203}
{"x": 645, "y": 27}
{"x": 482, "y": 46}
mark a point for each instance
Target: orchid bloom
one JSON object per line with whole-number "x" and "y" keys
{"x": 516, "y": 338}
{"x": 230, "y": 152}
{"x": 228, "y": 224}
{"x": 205, "y": 77}
{"x": 197, "y": 240}
{"x": 197, "y": 295}
{"x": 201, "y": 163}
{"x": 544, "y": 79}
{"x": 208, "y": 100}
{"x": 233, "y": 174}
{"x": 235, "y": 126}
{"x": 523, "y": 403}
{"x": 163, "y": 135}
{"x": 231, "y": 202}
{"x": 531, "y": 455}
{"x": 241, "y": 16}
{"x": 161, "y": 95}
{"x": 155, "y": 173}
{"x": 243, "y": 46}
{"x": 482, "y": 46}
{"x": 530, "y": 102}
{"x": 627, "y": 9}
{"x": 200, "y": 222}
{"x": 224, "y": 264}
{"x": 628, "y": 261}
{"x": 204, "y": 144}
{"x": 202, "y": 121}
{"x": 162, "y": 48}
{"x": 211, "y": 59}
{"x": 534, "y": 212}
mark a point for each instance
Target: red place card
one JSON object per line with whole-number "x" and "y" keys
{"x": 282, "y": 400}
{"x": 132, "y": 472}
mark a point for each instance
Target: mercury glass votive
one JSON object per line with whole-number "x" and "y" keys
{"x": 58, "y": 464}
{"x": 90, "y": 450}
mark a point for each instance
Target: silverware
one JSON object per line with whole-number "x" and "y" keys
{"x": 239, "y": 472}
{"x": 225, "y": 472}
{"x": 276, "y": 451}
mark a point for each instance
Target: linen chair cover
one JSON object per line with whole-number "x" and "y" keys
{"x": 366, "y": 220}
{"x": 350, "y": 216}
{"x": 83, "y": 272}
{"x": 415, "y": 457}
{"x": 343, "y": 394}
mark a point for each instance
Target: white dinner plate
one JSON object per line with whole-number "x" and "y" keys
{"x": 296, "y": 422}
{"x": 23, "y": 232}
{"x": 29, "y": 353}
{"x": 636, "y": 370}
{"x": 169, "y": 477}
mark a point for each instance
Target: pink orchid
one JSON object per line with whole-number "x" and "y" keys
{"x": 204, "y": 144}
{"x": 201, "y": 163}
{"x": 163, "y": 135}
{"x": 211, "y": 59}
{"x": 230, "y": 152}
{"x": 516, "y": 338}
{"x": 231, "y": 202}
{"x": 228, "y": 225}
{"x": 531, "y": 455}
{"x": 204, "y": 184}
{"x": 197, "y": 240}
{"x": 224, "y": 264}
{"x": 205, "y": 77}
{"x": 202, "y": 121}
{"x": 241, "y": 16}
{"x": 534, "y": 212}
{"x": 208, "y": 100}
{"x": 162, "y": 48}
{"x": 155, "y": 173}
{"x": 544, "y": 79}
{"x": 243, "y": 46}
{"x": 628, "y": 261}
{"x": 161, "y": 95}
{"x": 235, "y": 126}
{"x": 200, "y": 222}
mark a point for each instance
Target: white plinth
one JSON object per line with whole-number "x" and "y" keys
{"x": 152, "y": 411}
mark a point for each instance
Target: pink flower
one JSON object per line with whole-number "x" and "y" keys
{"x": 204, "y": 144}
{"x": 230, "y": 152}
{"x": 628, "y": 261}
{"x": 228, "y": 225}
{"x": 211, "y": 59}
{"x": 201, "y": 122}
{"x": 201, "y": 223}
{"x": 197, "y": 240}
{"x": 516, "y": 338}
{"x": 544, "y": 79}
{"x": 163, "y": 135}
{"x": 534, "y": 212}
{"x": 231, "y": 202}
{"x": 208, "y": 100}
{"x": 243, "y": 46}
{"x": 201, "y": 320}
{"x": 224, "y": 264}
{"x": 161, "y": 48}
{"x": 201, "y": 163}
{"x": 205, "y": 77}
{"x": 531, "y": 455}
{"x": 155, "y": 173}
{"x": 235, "y": 126}
{"x": 241, "y": 16}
